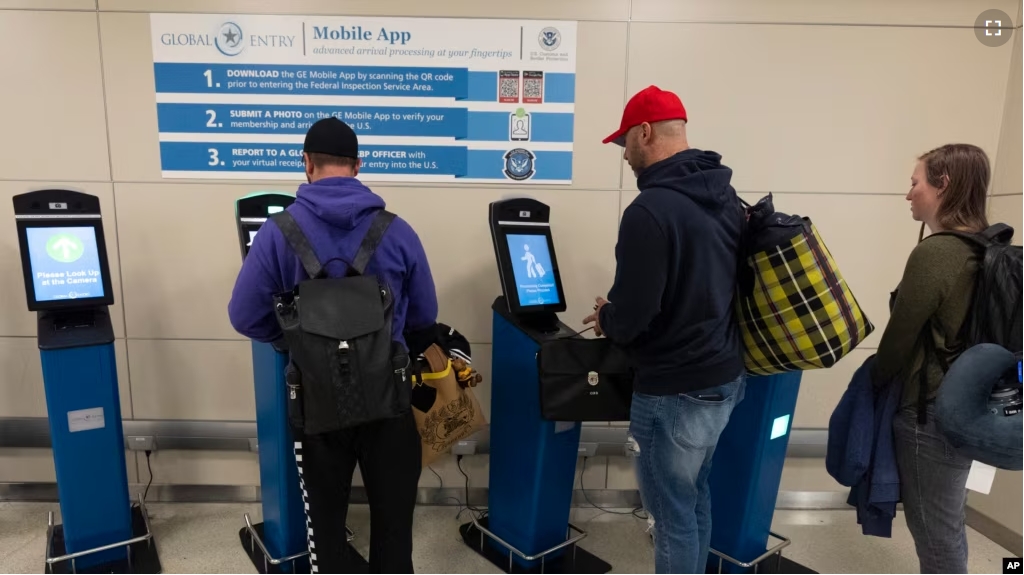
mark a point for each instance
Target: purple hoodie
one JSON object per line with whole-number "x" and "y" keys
{"x": 335, "y": 214}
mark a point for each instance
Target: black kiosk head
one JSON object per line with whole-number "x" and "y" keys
{"x": 63, "y": 250}
{"x": 253, "y": 210}
{"x": 527, "y": 265}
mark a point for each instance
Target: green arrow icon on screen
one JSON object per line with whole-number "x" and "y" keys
{"x": 64, "y": 248}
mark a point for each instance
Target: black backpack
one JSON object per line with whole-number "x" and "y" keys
{"x": 995, "y": 311}
{"x": 345, "y": 368}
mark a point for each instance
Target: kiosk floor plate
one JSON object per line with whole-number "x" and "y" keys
{"x": 582, "y": 561}
{"x": 258, "y": 560}
{"x": 145, "y": 558}
{"x": 770, "y": 565}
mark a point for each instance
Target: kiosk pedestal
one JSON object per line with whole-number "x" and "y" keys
{"x": 278, "y": 543}
{"x": 745, "y": 475}
{"x": 532, "y": 461}
{"x": 67, "y": 283}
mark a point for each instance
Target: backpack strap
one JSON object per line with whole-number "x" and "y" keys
{"x": 998, "y": 233}
{"x": 994, "y": 234}
{"x": 299, "y": 243}
{"x": 380, "y": 224}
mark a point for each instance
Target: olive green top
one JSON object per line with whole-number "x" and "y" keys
{"x": 931, "y": 303}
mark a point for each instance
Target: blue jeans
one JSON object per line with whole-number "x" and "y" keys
{"x": 933, "y": 487}
{"x": 675, "y": 438}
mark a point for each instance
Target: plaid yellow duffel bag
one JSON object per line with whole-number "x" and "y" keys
{"x": 795, "y": 310}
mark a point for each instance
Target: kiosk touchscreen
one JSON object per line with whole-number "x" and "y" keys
{"x": 67, "y": 282}
{"x": 527, "y": 266}
{"x": 532, "y": 461}
{"x": 253, "y": 210}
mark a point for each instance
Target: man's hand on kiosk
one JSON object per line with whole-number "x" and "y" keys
{"x": 595, "y": 318}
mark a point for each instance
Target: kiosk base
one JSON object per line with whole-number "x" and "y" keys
{"x": 298, "y": 565}
{"x": 574, "y": 560}
{"x": 142, "y": 557}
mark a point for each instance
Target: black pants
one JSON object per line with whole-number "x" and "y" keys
{"x": 388, "y": 454}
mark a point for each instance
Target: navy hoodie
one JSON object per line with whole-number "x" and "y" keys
{"x": 334, "y": 213}
{"x": 671, "y": 306}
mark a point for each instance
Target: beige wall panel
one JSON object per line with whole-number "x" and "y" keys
{"x": 19, "y": 465}
{"x": 821, "y": 389}
{"x": 475, "y": 466}
{"x": 21, "y": 378}
{"x": 202, "y": 468}
{"x": 600, "y": 86}
{"x": 178, "y": 379}
{"x": 534, "y": 9}
{"x": 452, "y": 223}
{"x": 1007, "y": 178}
{"x": 56, "y": 126}
{"x": 133, "y": 126}
{"x": 1003, "y": 503}
{"x": 823, "y": 108}
{"x": 179, "y": 271}
{"x": 798, "y": 474}
{"x": 131, "y": 100}
{"x": 21, "y": 386}
{"x": 15, "y": 319}
{"x": 912, "y": 12}
{"x": 621, "y": 473}
{"x": 48, "y": 4}
{"x": 807, "y": 474}
{"x": 1009, "y": 210}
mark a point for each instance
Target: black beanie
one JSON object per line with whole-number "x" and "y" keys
{"x": 333, "y": 137}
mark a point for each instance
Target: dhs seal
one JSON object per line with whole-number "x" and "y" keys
{"x": 229, "y": 39}
{"x": 519, "y": 164}
{"x": 549, "y": 38}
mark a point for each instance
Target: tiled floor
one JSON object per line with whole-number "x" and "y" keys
{"x": 203, "y": 538}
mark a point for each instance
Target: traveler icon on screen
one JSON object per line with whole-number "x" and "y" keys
{"x": 533, "y": 268}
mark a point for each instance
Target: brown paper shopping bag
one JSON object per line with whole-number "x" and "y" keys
{"x": 455, "y": 414}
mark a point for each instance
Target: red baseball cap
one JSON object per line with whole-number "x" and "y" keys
{"x": 652, "y": 104}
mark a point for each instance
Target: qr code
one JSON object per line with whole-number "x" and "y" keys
{"x": 532, "y": 89}
{"x": 508, "y": 89}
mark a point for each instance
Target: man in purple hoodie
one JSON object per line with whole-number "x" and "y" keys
{"x": 334, "y": 210}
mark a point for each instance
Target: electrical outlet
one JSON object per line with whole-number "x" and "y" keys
{"x": 467, "y": 447}
{"x": 587, "y": 449}
{"x": 140, "y": 442}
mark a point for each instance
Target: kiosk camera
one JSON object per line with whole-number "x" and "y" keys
{"x": 532, "y": 461}
{"x": 67, "y": 282}
{"x": 278, "y": 544}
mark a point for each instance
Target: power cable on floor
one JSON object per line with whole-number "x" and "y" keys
{"x": 583, "y": 469}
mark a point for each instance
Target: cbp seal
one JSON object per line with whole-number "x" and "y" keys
{"x": 519, "y": 164}
{"x": 549, "y": 38}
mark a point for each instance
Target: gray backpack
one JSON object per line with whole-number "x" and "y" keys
{"x": 345, "y": 368}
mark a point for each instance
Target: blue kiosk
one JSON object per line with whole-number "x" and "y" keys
{"x": 746, "y": 472}
{"x": 278, "y": 543}
{"x": 533, "y": 461}
{"x": 67, "y": 282}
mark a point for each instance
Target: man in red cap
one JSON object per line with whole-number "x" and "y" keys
{"x": 671, "y": 308}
